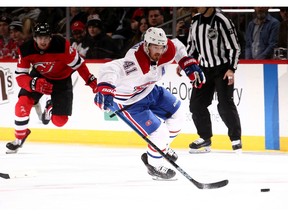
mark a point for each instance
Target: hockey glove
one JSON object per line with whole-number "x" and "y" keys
{"x": 92, "y": 82}
{"x": 104, "y": 96}
{"x": 41, "y": 85}
{"x": 193, "y": 71}
{"x": 82, "y": 51}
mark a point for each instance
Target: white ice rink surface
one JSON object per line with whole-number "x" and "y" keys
{"x": 90, "y": 180}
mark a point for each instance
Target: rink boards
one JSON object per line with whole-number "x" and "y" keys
{"x": 260, "y": 95}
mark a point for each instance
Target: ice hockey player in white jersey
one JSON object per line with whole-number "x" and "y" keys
{"x": 129, "y": 84}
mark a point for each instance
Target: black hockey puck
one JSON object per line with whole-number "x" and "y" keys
{"x": 265, "y": 189}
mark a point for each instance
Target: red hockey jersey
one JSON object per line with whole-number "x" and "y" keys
{"x": 58, "y": 62}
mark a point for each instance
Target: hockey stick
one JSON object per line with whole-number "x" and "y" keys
{"x": 13, "y": 175}
{"x": 74, "y": 80}
{"x": 196, "y": 183}
{"x": 120, "y": 110}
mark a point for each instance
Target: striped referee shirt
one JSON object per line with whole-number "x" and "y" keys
{"x": 213, "y": 40}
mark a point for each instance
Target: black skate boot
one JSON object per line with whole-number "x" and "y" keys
{"x": 171, "y": 154}
{"x": 237, "y": 146}
{"x": 46, "y": 115}
{"x": 16, "y": 144}
{"x": 200, "y": 146}
{"x": 158, "y": 173}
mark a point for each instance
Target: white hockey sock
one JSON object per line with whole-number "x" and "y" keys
{"x": 160, "y": 138}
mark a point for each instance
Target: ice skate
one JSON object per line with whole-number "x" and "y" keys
{"x": 158, "y": 173}
{"x": 46, "y": 115}
{"x": 172, "y": 154}
{"x": 16, "y": 144}
{"x": 200, "y": 146}
{"x": 237, "y": 146}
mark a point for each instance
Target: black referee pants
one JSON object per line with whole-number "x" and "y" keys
{"x": 202, "y": 98}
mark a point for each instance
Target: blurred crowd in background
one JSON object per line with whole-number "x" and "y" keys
{"x": 108, "y": 32}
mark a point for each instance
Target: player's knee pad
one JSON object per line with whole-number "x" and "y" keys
{"x": 59, "y": 120}
{"x": 160, "y": 138}
{"x": 175, "y": 122}
{"x": 23, "y": 106}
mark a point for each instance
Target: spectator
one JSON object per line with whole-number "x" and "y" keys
{"x": 110, "y": 17}
{"x": 29, "y": 13}
{"x": 283, "y": 32}
{"x": 134, "y": 23}
{"x": 261, "y": 35}
{"x": 4, "y": 30}
{"x": 78, "y": 34}
{"x": 124, "y": 35}
{"x": 16, "y": 35}
{"x": 138, "y": 36}
{"x": 75, "y": 15}
{"x": 239, "y": 21}
{"x": 138, "y": 12}
{"x": 51, "y": 15}
{"x": 4, "y": 36}
{"x": 155, "y": 17}
{"x": 182, "y": 26}
{"x": 143, "y": 26}
{"x": 101, "y": 46}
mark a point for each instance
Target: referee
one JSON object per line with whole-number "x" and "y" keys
{"x": 213, "y": 41}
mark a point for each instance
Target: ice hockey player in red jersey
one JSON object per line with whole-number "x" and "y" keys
{"x": 52, "y": 61}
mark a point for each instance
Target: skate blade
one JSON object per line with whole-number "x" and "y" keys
{"x": 238, "y": 151}
{"x": 155, "y": 178}
{"x": 11, "y": 151}
{"x": 200, "y": 150}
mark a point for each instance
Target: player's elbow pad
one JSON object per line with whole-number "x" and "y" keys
{"x": 24, "y": 82}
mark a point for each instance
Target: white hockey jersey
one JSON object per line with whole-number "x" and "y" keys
{"x": 133, "y": 76}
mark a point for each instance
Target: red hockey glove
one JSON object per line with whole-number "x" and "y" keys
{"x": 193, "y": 71}
{"x": 92, "y": 82}
{"x": 41, "y": 85}
{"x": 104, "y": 96}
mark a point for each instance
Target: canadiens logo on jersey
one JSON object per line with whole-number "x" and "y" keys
{"x": 148, "y": 123}
{"x": 44, "y": 67}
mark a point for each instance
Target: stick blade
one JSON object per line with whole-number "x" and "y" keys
{"x": 18, "y": 174}
{"x": 213, "y": 185}
{"x": 4, "y": 175}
